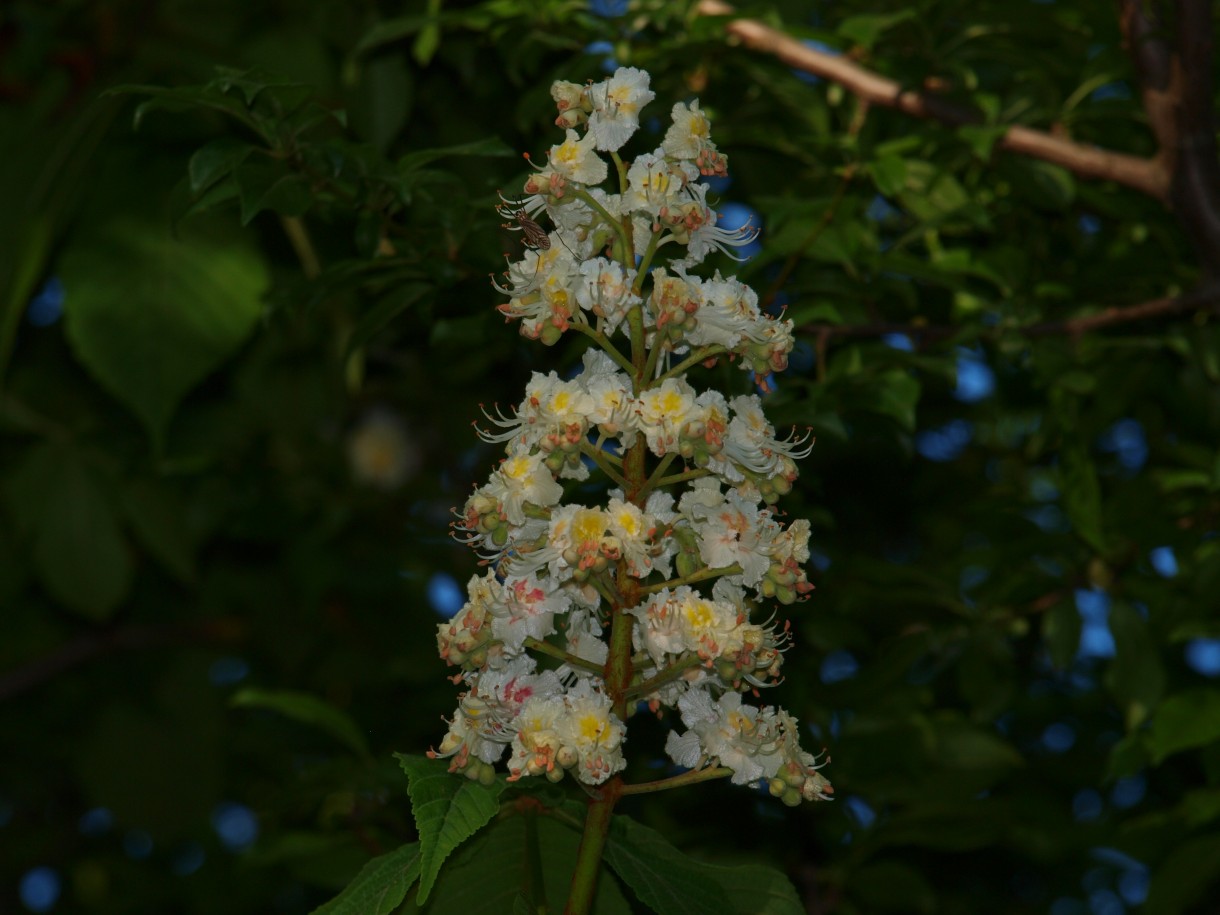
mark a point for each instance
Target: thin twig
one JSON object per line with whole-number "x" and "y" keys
{"x": 1207, "y": 296}
{"x": 99, "y": 644}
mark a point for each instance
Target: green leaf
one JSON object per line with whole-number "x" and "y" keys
{"x": 1136, "y": 677}
{"x": 150, "y": 316}
{"x": 215, "y": 160}
{"x": 493, "y": 147}
{"x": 380, "y": 887}
{"x": 963, "y": 746}
{"x": 1082, "y": 494}
{"x": 79, "y": 551}
{"x": 306, "y": 709}
{"x": 889, "y": 174}
{"x": 1183, "y": 879}
{"x": 486, "y": 876}
{"x": 670, "y": 883}
{"x": 158, "y": 518}
{"x": 1184, "y": 721}
{"x": 893, "y": 886}
{"x": 448, "y": 810}
{"x": 896, "y": 394}
{"x": 373, "y": 321}
{"x": 429, "y": 37}
{"x": 263, "y": 186}
{"x": 865, "y": 30}
{"x": 981, "y": 138}
{"x": 1060, "y": 631}
{"x": 1041, "y": 184}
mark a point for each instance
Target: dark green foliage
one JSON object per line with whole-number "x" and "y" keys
{"x": 284, "y": 263}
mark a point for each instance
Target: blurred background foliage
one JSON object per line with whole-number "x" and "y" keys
{"x": 243, "y": 338}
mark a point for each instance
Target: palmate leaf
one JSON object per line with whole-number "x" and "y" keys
{"x": 448, "y": 811}
{"x": 380, "y": 887}
{"x": 671, "y": 883}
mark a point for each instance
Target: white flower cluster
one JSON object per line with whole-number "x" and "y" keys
{"x": 652, "y": 597}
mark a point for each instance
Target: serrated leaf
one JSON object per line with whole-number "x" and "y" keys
{"x": 213, "y": 161}
{"x": 671, "y": 883}
{"x": 1184, "y": 721}
{"x": 448, "y": 810}
{"x": 380, "y": 887}
{"x": 306, "y": 709}
{"x": 262, "y": 186}
{"x": 162, "y": 98}
{"x": 150, "y": 315}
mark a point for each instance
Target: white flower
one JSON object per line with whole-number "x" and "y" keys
{"x": 689, "y": 134}
{"x": 591, "y": 732}
{"x": 654, "y": 182}
{"x": 676, "y": 622}
{"x": 663, "y": 411}
{"x": 605, "y": 290}
{"x": 616, "y": 107}
{"x": 522, "y": 479}
{"x": 526, "y": 609}
{"x": 726, "y": 731}
{"x": 732, "y": 529}
{"x": 575, "y": 159}
{"x": 750, "y": 444}
{"x": 613, "y": 408}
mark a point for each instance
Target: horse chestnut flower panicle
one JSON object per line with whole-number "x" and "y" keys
{"x": 658, "y": 594}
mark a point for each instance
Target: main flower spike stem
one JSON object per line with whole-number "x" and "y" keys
{"x": 532, "y": 882}
{"x": 592, "y": 844}
{"x": 617, "y": 673}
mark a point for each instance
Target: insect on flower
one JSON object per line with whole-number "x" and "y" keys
{"x": 535, "y": 236}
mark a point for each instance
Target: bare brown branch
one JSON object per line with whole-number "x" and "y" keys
{"x": 1147, "y": 175}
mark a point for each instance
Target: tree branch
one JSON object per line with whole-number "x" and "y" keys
{"x": 98, "y": 644}
{"x": 1149, "y": 176}
{"x": 922, "y": 334}
{"x": 1176, "y": 85}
